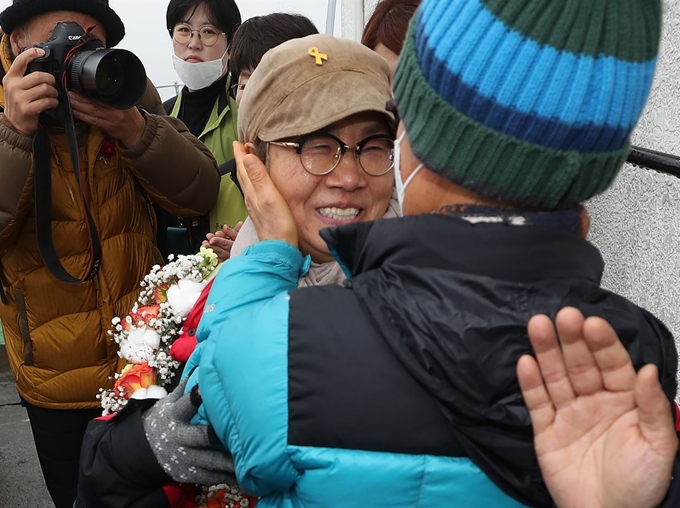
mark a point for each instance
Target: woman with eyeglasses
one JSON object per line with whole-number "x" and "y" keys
{"x": 315, "y": 111}
{"x": 202, "y": 32}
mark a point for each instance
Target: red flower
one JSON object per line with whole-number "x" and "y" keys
{"x": 108, "y": 149}
{"x": 145, "y": 314}
{"x": 148, "y": 313}
{"x": 134, "y": 377}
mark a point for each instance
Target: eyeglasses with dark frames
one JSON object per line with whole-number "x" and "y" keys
{"x": 321, "y": 152}
{"x": 208, "y": 35}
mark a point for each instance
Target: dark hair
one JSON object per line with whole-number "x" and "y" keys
{"x": 224, "y": 14}
{"x": 388, "y": 24}
{"x": 258, "y": 35}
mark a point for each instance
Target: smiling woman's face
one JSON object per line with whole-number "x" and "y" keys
{"x": 345, "y": 195}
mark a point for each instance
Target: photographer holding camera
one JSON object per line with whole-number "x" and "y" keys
{"x": 82, "y": 159}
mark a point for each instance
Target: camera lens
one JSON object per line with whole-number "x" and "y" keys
{"x": 109, "y": 77}
{"x": 113, "y": 76}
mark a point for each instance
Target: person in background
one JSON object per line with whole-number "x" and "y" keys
{"x": 414, "y": 384}
{"x": 202, "y": 33}
{"x": 325, "y": 182}
{"x": 258, "y": 35}
{"x": 386, "y": 28}
{"x": 56, "y": 331}
{"x": 252, "y": 40}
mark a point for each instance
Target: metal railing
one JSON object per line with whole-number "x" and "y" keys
{"x": 658, "y": 161}
{"x": 177, "y": 86}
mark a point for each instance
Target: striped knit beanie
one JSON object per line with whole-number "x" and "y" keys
{"x": 528, "y": 102}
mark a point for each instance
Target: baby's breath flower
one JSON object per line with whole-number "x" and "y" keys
{"x": 166, "y": 323}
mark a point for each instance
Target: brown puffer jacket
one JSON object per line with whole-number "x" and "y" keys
{"x": 56, "y": 333}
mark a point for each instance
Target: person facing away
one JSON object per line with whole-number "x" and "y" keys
{"x": 386, "y": 28}
{"x": 252, "y": 40}
{"x": 401, "y": 388}
{"x": 202, "y": 32}
{"x": 56, "y": 332}
{"x": 322, "y": 188}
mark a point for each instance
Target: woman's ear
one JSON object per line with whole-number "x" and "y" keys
{"x": 250, "y": 148}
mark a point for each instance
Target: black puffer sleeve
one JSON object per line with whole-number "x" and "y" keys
{"x": 117, "y": 466}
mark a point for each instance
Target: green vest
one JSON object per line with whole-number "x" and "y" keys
{"x": 219, "y": 133}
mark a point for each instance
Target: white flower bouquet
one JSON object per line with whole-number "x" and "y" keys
{"x": 145, "y": 335}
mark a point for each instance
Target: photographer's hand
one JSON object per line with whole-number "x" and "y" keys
{"x": 125, "y": 125}
{"x": 28, "y": 96}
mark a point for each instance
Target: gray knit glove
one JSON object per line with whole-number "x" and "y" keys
{"x": 185, "y": 451}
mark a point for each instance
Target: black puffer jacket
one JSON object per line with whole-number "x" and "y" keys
{"x": 453, "y": 299}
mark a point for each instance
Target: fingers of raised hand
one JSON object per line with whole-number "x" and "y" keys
{"x": 257, "y": 187}
{"x": 535, "y": 394}
{"x": 612, "y": 359}
{"x": 553, "y": 370}
{"x": 656, "y": 421}
{"x": 583, "y": 372}
{"x": 267, "y": 209}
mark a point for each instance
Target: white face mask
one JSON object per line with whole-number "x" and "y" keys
{"x": 401, "y": 186}
{"x": 199, "y": 75}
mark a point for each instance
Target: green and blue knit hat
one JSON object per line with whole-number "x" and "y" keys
{"x": 528, "y": 102}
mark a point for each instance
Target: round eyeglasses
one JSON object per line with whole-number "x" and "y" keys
{"x": 320, "y": 153}
{"x": 208, "y": 35}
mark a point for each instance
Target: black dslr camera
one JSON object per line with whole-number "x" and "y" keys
{"x": 80, "y": 62}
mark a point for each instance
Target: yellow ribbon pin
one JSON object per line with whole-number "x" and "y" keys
{"x": 318, "y": 56}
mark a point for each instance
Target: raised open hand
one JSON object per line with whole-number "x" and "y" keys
{"x": 603, "y": 434}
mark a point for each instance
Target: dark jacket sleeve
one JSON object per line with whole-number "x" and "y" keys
{"x": 117, "y": 466}
{"x": 174, "y": 167}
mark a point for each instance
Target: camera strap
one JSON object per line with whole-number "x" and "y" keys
{"x": 3, "y": 295}
{"x": 42, "y": 151}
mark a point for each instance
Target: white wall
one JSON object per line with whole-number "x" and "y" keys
{"x": 354, "y": 15}
{"x": 636, "y": 223}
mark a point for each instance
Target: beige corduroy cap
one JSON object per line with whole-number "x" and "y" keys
{"x": 306, "y": 84}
